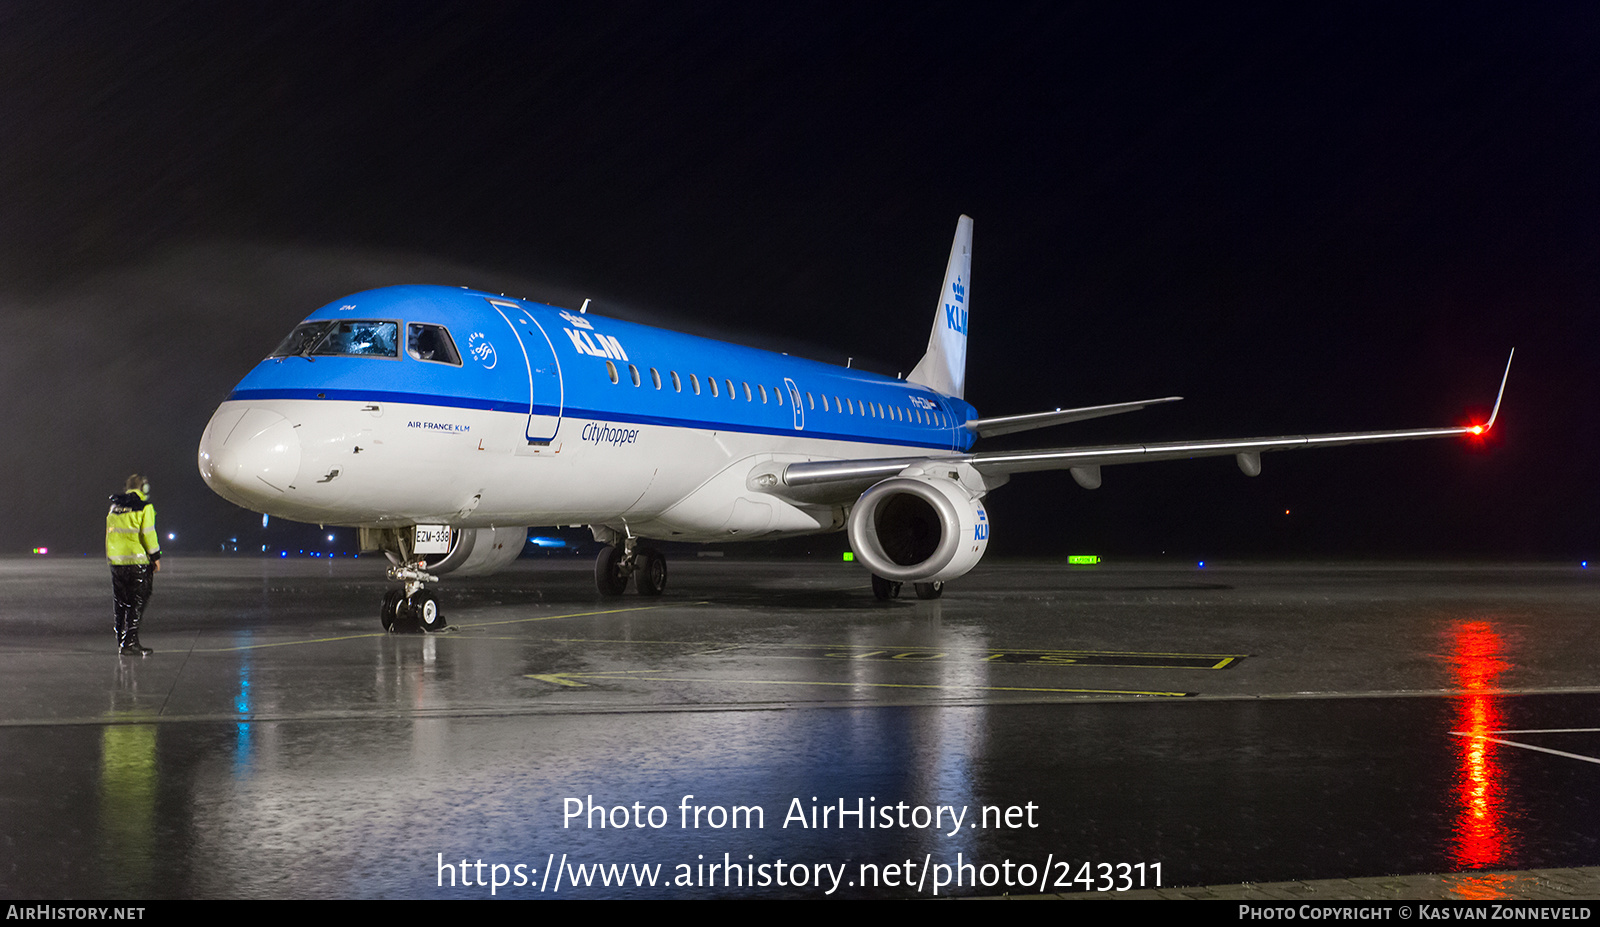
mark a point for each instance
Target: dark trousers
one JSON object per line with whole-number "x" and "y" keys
{"x": 130, "y": 590}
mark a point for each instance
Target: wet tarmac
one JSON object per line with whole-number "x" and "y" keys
{"x": 768, "y": 729}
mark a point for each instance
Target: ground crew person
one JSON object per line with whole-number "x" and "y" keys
{"x": 135, "y": 554}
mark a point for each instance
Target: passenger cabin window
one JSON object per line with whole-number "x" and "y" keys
{"x": 712, "y": 382}
{"x": 694, "y": 384}
{"x": 677, "y": 384}
{"x": 655, "y": 377}
{"x": 762, "y": 388}
{"x": 730, "y": 389}
{"x": 747, "y": 396}
{"x": 633, "y": 374}
{"x": 611, "y": 371}
{"x": 431, "y": 343}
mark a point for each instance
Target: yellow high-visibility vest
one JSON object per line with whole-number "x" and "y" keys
{"x": 131, "y": 535}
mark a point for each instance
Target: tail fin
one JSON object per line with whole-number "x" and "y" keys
{"x": 944, "y": 367}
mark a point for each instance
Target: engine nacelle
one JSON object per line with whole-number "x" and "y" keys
{"x": 918, "y": 529}
{"x": 480, "y": 551}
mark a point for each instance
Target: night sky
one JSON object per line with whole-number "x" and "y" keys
{"x": 1331, "y": 219}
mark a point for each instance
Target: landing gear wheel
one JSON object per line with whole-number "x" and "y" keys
{"x": 608, "y": 575}
{"x": 929, "y": 590}
{"x": 885, "y": 589}
{"x": 424, "y": 610}
{"x": 651, "y": 570}
{"x": 390, "y": 616}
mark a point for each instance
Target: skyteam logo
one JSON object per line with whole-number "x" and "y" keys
{"x": 481, "y": 350}
{"x": 955, "y": 314}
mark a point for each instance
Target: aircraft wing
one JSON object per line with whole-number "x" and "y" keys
{"x": 839, "y": 480}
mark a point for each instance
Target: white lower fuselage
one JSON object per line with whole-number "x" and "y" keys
{"x": 473, "y": 468}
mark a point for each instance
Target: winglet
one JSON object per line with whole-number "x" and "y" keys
{"x": 1498, "y": 396}
{"x": 944, "y": 367}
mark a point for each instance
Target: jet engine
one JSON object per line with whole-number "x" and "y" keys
{"x": 479, "y": 551}
{"x": 918, "y": 529}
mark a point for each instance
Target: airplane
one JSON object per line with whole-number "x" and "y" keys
{"x": 444, "y": 422}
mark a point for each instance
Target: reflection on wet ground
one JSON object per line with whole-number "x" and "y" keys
{"x": 1163, "y": 727}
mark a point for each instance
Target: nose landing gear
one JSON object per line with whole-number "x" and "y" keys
{"x": 412, "y": 607}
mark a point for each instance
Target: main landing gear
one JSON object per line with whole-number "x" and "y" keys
{"x": 616, "y": 565}
{"x": 412, "y": 607}
{"x": 886, "y": 589}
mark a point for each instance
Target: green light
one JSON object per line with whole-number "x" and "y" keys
{"x": 1083, "y": 558}
{"x": 849, "y": 557}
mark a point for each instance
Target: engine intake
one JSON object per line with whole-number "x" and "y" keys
{"x": 918, "y": 529}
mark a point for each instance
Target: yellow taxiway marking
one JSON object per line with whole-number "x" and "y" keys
{"x": 463, "y": 627}
{"x": 1016, "y": 656}
{"x": 607, "y": 611}
{"x": 570, "y": 680}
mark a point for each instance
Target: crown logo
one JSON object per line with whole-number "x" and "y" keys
{"x": 960, "y": 291}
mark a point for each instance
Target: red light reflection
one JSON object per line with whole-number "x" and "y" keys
{"x": 1481, "y": 835}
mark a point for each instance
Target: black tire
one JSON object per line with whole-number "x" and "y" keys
{"x": 929, "y": 590}
{"x": 390, "y": 616}
{"x": 424, "y": 610}
{"x": 650, "y": 571}
{"x": 884, "y": 589}
{"x": 608, "y": 575}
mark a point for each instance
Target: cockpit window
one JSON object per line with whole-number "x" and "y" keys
{"x": 363, "y": 338}
{"x": 357, "y": 337}
{"x": 301, "y": 340}
{"x": 431, "y": 343}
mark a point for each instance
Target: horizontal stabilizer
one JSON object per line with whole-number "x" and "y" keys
{"x": 1006, "y": 424}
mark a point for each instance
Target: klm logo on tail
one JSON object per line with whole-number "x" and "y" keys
{"x": 943, "y": 367}
{"x": 955, "y": 314}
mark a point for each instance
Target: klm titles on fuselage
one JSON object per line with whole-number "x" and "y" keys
{"x": 585, "y": 340}
{"x": 608, "y": 347}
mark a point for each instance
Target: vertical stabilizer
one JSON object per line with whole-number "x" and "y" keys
{"x": 944, "y": 367}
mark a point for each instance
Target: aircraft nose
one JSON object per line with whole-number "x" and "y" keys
{"x": 249, "y": 456}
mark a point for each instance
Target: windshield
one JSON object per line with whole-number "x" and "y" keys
{"x": 301, "y": 339}
{"x": 356, "y": 337}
